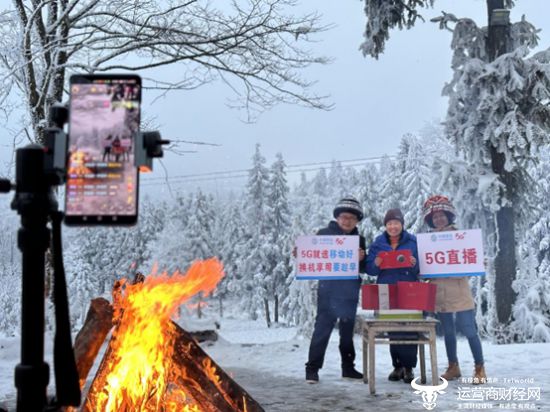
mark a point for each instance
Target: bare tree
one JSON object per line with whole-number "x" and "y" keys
{"x": 257, "y": 47}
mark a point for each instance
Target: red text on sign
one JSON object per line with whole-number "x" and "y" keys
{"x": 452, "y": 257}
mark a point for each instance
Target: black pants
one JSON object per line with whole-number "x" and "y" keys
{"x": 328, "y": 312}
{"x": 403, "y": 355}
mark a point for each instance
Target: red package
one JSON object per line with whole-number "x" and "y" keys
{"x": 379, "y": 296}
{"x": 395, "y": 259}
{"x": 416, "y": 295}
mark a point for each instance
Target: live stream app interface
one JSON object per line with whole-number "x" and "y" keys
{"x": 101, "y": 174}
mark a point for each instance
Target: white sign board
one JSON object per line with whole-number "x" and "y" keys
{"x": 453, "y": 253}
{"x": 327, "y": 257}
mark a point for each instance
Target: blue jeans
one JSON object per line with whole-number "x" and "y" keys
{"x": 466, "y": 323}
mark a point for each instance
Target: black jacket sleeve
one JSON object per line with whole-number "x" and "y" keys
{"x": 363, "y": 263}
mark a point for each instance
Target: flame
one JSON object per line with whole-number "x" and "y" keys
{"x": 142, "y": 345}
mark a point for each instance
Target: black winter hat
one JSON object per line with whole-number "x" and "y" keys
{"x": 394, "y": 214}
{"x": 348, "y": 205}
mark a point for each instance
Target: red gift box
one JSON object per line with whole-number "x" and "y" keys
{"x": 379, "y": 296}
{"x": 395, "y": 259}
{"x": 416, "y": 295}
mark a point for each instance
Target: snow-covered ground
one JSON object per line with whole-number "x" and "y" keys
{"x": 269, "y": 364}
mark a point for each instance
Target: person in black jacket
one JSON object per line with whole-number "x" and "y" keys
{"x": 338, "y": 299}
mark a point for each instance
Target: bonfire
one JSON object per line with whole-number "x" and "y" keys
{"x": 152, "y": 364}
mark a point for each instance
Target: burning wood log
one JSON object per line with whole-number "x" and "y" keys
{"x": 152, "y": 364}
{"x": 204, "y": 376}
{"x": 204, "y": 382}
{"x": 89, "y": 339}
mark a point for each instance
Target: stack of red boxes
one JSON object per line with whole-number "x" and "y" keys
{"x": 418, "y": 296}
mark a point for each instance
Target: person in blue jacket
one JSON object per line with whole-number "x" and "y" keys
{"x": 337, "y": 299}
{"x": 396, "y": 238}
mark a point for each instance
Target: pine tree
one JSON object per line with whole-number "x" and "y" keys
{"x": 416, "y": 183}
{"x": 532, "y": 307}
{"x": 167, "y": 249}
{"x": 255, "y": 275}
{"x": 320, "y": 201}
{"x": 391, "y": 188}
{"x": 370, "y": 201}
{"x": 229, "y": 239}
{"x": 280, "y": 248}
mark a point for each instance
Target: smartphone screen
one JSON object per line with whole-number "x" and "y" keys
{"x": 102, "y": 179}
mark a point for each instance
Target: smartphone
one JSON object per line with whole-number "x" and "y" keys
{"x": 102, "y": 179}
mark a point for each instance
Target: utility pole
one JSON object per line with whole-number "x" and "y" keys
{"x": 498, "y": 42}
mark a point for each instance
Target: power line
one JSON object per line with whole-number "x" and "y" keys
{"x": 191, "y": 177}
{"x": 242, "y": 173}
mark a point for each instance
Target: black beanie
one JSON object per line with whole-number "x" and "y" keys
{"x": 348, "y": 205}
{"x": 394, "y": 214}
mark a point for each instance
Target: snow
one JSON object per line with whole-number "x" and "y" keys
{"x": 269, "y": 364}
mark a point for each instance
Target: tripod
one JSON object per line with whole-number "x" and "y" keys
{"x": 35, "y": 202}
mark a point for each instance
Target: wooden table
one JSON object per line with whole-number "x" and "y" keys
{"x": 375, "y": 332}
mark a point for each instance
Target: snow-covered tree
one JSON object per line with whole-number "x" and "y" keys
{"x": 497, "y": 118}
{"x": 386, "y": 15}
{"x": 391, "y": 186}
{"x": 370, "y": 200}
{"x": 89, "y": 268}
{"x": 321, "y": 201}
{"x": 10, "y": 272}
{"x": 278, "y": 233}
{"x": 197, "y": 238}
{"x": 229, "y": 238}
{"x": 416, "y": 183}
{"x": 532, "y": 307}
{"x": 167, "y": 250}
{"x": 256, "y": 280}
{"x": 338, "y": 185}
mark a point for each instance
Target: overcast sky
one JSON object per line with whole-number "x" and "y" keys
{"x": 375, "y": 101}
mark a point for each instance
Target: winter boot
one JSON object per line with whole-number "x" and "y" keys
{"x": 479, "y": 375}
{"x": 312, "y": 376}
{"x": 397, "y": 374}
{"x": 351, "y": 373}
{"x": 452, "y": 372}
{"x": 408, "y": 375}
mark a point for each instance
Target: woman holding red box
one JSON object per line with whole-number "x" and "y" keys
{"x": 454, "y": 303}
{"x": 389, "y": 269}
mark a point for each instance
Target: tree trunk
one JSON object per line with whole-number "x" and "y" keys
{"x": 220, "y": 300}
{"x": 89, "y": 339}
{"x": 505, "y": 259}
{"x": 267, "y": 315}
{"x": 276, "y": 309}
